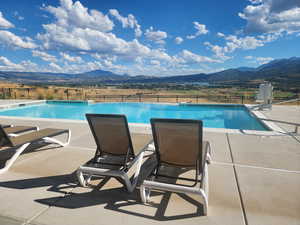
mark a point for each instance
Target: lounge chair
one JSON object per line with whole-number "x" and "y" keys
{"x": 16, "y": 130}
{"x": 179, "y": 147}
{"x": 21, "y": 142}
{"x": 114, "y": 155}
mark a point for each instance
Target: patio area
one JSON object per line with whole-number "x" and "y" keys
{"x": 253, "y": 180}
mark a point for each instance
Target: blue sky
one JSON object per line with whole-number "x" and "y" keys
{"x": 141, "y": 37}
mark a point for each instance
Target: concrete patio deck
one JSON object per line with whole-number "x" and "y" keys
{"x": 254, "y": 180}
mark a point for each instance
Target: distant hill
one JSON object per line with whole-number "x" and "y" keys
{"x": 279, "y": 70}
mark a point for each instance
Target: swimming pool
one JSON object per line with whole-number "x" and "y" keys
{"x": 213, "y": 116}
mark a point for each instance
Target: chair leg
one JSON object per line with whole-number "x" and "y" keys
{"x": 131, "y": 185}
{"x": 205, "y": 202}
{"x": 143, "y": 194}
{"x": 81, "y": 179}
{"x": 55, "y": 141}
{"x": 9, "y": 162}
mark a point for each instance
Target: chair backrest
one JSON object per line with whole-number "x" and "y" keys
{"x": 111, "y": 133}
{"x": 178, "y": 142}
{"x": 4, "y": 139}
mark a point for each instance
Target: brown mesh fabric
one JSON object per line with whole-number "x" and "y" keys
{"x": 4, "y": 140}
{"x": 36, "y": 135}
{"x": 18, "y": 129}
{"x": 178, "y": 143}
{"x": 111, "y": 134}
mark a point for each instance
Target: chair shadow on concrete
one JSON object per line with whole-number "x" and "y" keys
{"x": 33, "y": 147}
{"x": 109, "y": 197}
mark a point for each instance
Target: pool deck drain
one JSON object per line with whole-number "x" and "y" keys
{"x": 41, "y": 187}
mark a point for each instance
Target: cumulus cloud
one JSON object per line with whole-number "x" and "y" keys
{"x": 9, "y": 39}
{"x": 189, "y": 57}
{"x": 55, "y": 67}
{"x": 67, "y": 35}
{"x": 4, "y": 23}
{"x": 233, "y": 42}
{"x": 259, "y": 60}
{"x": 5, "y": 62}
{"x": 26, "y": 65}
{"x": 70, "y": 15}
{"x": 201, "y": 29}
{"x": 178, "y": 40}
{"x": 129, "y": 21}
{"x": 44, "y": 56}
{"x": 272, "y": 16}
{"x": 156, "y": 36}
{"x": 74, "y": 59}
{"x": 155, "y": 62}
{"x": 219, "y": 34}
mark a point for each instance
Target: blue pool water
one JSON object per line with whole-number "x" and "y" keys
{"x": 214, "y": 116}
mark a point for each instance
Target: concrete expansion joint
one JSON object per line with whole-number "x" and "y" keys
{"x": 35, "y": 216}
{"x": 237, "y": 182}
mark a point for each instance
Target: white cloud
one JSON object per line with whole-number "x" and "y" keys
{"x": 201, "y": 29}
{"x": 256, "y": 1}
{"x": 75, "y": 59}
{"x": 234, "y": 42}
{"x": 218, "y": 51}
{"x": 248, "y": 42}
{"x": 156, "y": 36}
{"x": 56, "y": 67}
{"x": 219, "y": 34}
{"x": 264, "y": 60}
{"x": 248, "y": 57}
{"x": 9, "y": 39}
{"x": 70, "y": 15}
{"x": 178, "y": 40}
{"x": 44, "y": 56}
{"x": 155, "y": 62}
{"x": 4, "y": 23}
{"x": 67, "y": 36}
{"x": 129, "y": 21}
{"x": 272, "y": 16}
{"x": 26, "y": 65}
{"x": 17, "y": 15}
{"x": 259, "y": 60}
{"x": 5, "y": 62}
{"x": 107, "y": 49}
{"x": 188, "y": 57}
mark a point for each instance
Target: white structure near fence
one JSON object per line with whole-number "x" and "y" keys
{"x": 265, "y": 95}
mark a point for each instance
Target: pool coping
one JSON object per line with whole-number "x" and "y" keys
{"x": 146, "y": 128}
{"x": 20, "y": 104}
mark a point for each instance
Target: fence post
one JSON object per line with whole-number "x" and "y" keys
{"x": 140, "y": 98}
{"x": 242, "y": 99}
{"x": 104, "y": 98}
{"x": 197, "y": 99}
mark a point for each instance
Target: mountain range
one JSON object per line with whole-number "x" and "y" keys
{"x": 279, "y": 70}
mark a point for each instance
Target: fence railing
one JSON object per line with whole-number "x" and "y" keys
{"x": 82, "y": 94}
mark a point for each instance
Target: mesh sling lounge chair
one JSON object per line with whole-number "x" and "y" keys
{"x": 21, "y": 142}
{"x": 16, "y": 130}
{"x": 114, "y": 155}
{"x": 179, "y": 146}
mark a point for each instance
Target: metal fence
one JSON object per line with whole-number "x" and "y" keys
{"x": 82, "y": 94}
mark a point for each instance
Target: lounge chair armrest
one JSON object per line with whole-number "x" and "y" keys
{"x": 140, "y": 155}
{"x": 208, "y": 152}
